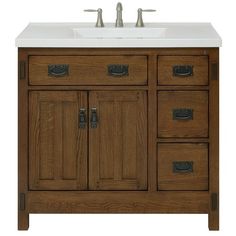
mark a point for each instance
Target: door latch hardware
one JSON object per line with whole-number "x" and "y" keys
{"x": 94, "y": 118}
{"x": 82, "y": 118}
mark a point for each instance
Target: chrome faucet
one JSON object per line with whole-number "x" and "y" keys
{"x": 119, "y": 20}
{"x": 139, "y": 22}
{"x": 99, "y": 17}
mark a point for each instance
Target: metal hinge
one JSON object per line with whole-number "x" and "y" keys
{"x": 22, "y": 70}
{"x": 214, "y": 201}
{"x": 214, "y": 71}
{"x": 22, "y": 201}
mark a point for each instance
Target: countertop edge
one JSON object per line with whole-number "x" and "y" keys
{"x": 23, "y": 41}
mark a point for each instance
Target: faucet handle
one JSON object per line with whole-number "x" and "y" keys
{"x": 91, "y": 10}
{"x": 99, "y": 17}
{"x": 140, "y": 16}
{"x": 146, "y": 10}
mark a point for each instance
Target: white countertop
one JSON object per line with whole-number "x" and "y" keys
{"x": 62, "y": 35}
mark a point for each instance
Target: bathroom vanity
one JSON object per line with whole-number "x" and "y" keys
{"x": 118, "y": 120}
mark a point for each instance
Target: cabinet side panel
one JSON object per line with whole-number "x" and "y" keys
{"x": 23, "y": 216}
{"x": 213, "y": 222}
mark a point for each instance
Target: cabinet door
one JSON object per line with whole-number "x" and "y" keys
{"x": 118, "y": 144}
{"x": 58, "y": 147}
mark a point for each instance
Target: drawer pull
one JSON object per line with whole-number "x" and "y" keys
{"x": 182, "y": 71}
{"x": 94, "y": 118}
{"x": 118, "y": 70}
{"x": 58, "y": 70}
{"x": 82, "y": 118}
{"x": 182, "y": 114}
{"x": 182, "y": 166}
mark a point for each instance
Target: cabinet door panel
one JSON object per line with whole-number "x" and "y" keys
{"x": 118, "y": 146}
{"x": 58, "y": 147}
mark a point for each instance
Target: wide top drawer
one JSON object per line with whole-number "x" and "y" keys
{"x": 183, "y": 70}
{"x": 88, "y": 70}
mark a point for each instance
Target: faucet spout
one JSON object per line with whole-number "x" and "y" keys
{"x": 119, "y": 20}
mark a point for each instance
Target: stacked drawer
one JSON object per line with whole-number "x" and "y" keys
{"x": 182, "y": 116}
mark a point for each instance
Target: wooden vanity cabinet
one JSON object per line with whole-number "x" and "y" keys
{"x": 129, "y": 130}
{"x": 58, "y": 140}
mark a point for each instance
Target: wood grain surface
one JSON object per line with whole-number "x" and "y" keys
{"x": 58, "y": 147}
{"x": 170, "y": 153}
{"x": 118, "y": 146}
{"x": 199, "y": 66}
{"x": 88, "y": 70}
{"x": 121, "y": 166}
{"x": 194, "y": 100}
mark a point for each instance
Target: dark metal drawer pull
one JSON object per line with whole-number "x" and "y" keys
{"x": 58, "y": 70}
{"x": 182, "y": 114}
{"x": 94, "y": 118}
{"x": 82, "y": 118}
{"x": 183, "y": 71}
{"x": 182, "y": 166}
{"x": 118, "y": 70}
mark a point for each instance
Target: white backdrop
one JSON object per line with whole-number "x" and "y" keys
{"x": 15, "y": 15}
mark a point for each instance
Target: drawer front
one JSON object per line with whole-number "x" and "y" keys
{"x": 182, "y": 114}
{"x": 183, "y": 70}
{"x": 182, "y": 166}
{"x": 88, "y": 70}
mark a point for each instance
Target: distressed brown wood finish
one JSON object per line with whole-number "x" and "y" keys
{"x": 57, "y": 146}
{"x": 118, "y": 202}
{"x": 118, "y": 146}
{"x": 170, "y": 179}
{"x": 197, "y": 101}
{"x": 135, "y": 174}
{"x": 23, "y": 215}
{"x": 214, "y": 140}
{"x": 87, "y": 70}
{"x": 199, "y": 66}
{"x": 152, "y": 124}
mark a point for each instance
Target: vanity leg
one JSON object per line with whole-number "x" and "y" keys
{"x": 213, "y": 220}
{"x": 23, "y": 221}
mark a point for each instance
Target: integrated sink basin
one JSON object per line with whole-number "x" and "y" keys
{"x": 86, "y": 35}
{"x": 116, "y": 33}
